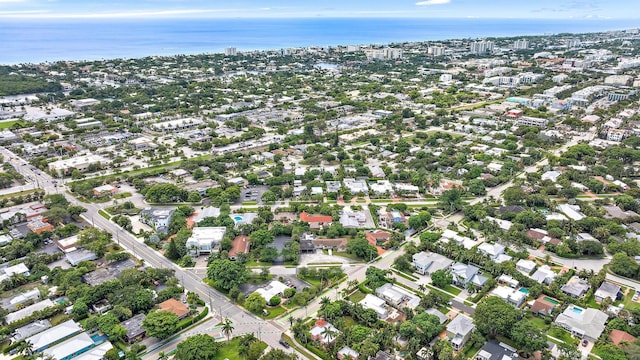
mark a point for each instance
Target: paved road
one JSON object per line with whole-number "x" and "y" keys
{"x": 220, "y": 306}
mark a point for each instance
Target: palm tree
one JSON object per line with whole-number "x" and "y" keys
{"x": 324, "y": 302}
{"x": 227, "y": 328}
{"x": 328, "y": 334}
{"x": 422, "y": 288}
{"x": 162, "y": 356}
{"x": 25, "y": 348}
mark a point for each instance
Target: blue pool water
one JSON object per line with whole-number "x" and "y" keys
{"x": 577, "y": 310}
{"x": 524, "y": 291}
{"x": 98, "y": 338}
{"x": 61, "y": 300}
{"x": 238, "y": 218}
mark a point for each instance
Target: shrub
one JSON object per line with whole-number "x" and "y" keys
{"x": 275, "y": 301}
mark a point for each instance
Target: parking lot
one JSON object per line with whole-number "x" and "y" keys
{"x": 252, "y": 193}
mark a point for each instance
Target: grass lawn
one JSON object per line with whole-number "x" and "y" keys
{"x": 312, "y": 281}
{"x": 8, "y": 124}
{"x": 357, "y": 296}
{"x": 348, "y": 321}
{"x": 591, "y": 302}
{"x": 230, "y": 350}
{"x": 17, "y": 194}
{"x": 539, "y": 323}
{"x": 59, "y": 319}
{"x": 249, "y": 203}
{"x": 562, "y": 334}
{"x": 122, "y": 195}
{"x": 275, "y": 312}
{"x": 346, "y": 255}
{"x": 452, "y": 289}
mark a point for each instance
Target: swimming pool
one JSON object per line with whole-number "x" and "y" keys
{"x": 577, "y": 310}
{"x": 524, "y": 291}
{"x": 238, "y": 218}
{"x": 550, "y": 300}
{"x": 99, "y": 338}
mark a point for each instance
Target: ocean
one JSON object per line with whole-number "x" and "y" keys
{"x": 35, "y": 41}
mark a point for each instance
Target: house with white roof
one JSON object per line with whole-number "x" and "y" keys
{"x": 27, "y": 311}
{"x": 525, "y": 266}
{"x": 571, "y": 211}
{"x": 544, "y": 275}
{"x": 494, "y": 251}
{"x": 376, "y": 304}
{"x": 275, "y": 288}
{"x": 426, "y": 263}
{"x": 205, "y": 239}
{"x": 459, "y": 331}
{"x": 398, "y": 297}
{"x": 19, "y": 269}
{"x": 71, "y": 348}
{"x": 509, "y": 295}
{"x": 585, "y": 323}
{"x": 53, "y": 335}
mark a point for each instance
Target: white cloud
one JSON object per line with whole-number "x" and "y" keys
{"x": 433, "y": 2}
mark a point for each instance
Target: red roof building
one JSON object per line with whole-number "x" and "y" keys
{"x": 239, "y": 245}
{"x": 176, "y": 307}
{"x": 316, "y": 221}
{"x": 619, "y": 336}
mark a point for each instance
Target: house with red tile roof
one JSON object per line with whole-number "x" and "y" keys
{"x": 239, "y": 245}
{"x": 176, "y": 307}
{"x": 619, "y": 336}
{"x": 316, "y": 221}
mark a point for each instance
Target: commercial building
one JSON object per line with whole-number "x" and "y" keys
{"x": 275, "y": 288}
{"x": 81, "y": 163}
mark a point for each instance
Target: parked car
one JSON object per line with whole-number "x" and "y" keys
{"x": 284, "y": 343}
{"x": 585, "y": 342}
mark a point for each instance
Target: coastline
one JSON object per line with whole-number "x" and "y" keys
{"x": 63, "y": 40}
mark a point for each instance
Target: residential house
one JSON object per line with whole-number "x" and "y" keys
{"x": 525, "y": 266}
{"x": 377, "y": 237}
{"x": 381, "y": 355}
{"x": 459, "y": 331}
{"x": 508, "y": 280}
{"x": 493, "y": 350}
{"x": 71, "y": 348}
{"x": 544, "y": 275}
{"x": 494, "y": 251}
{"x": 333, "y": 244}
{"x": 585, "y": 323}
{"x": 240, "y": 245}
{"x": 158, "y": 218}
{"x": 576, "y": 287}
{"x": 316, "y": 221}
{"x": 352, "y": 219}
{"x": 318, "y": 332}
{"x": 356, "y": 186}
{"x": 28, "y": 311}
{"x": 306, "y": 243}
{"x": 376, "y": 304}
{"x": 509, "y": 295}
{"x": 45, "y": 339}
{"x": 77, "y": 256}
{"x": 442, "y": 318}
{"x": 615, "y": 212}
{"x": 347, "y": 353}
{"x": 398, "y": 297}
{"x": 544, "y": 305}
{"x": 427, "y": 263}
{"x": 17, "y": 269}
{"x": 275, "y": 288}
{"x": 209, "y": 211}
{"x": 608, "y": 290}
{"x": 619, "y": 337}
{"x": 96, "y": 353}
{"x": 174, "y": 306}
{"x": 29, "y": 330}
{"x": 396, "y": 217}
{"x": 205, "y": 239}
{"x": 464, "y": 274}
{"x": 134, "y": 328}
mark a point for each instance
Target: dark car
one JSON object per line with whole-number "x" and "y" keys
{"x": 585, "y": 342}
{"x": 284, "y": 343}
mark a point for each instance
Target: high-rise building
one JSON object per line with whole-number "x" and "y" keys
{"x": 481, "y": 47}
{"x": 521, "y": 44}
{"x": 436, "y": 50}
{"x": 230, "y": 51}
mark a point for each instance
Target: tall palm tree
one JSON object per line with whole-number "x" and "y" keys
{"x": 324, "y": 302}
{"x": 329, "y": 334}
{"x": 227, "y": 328}
{"x": 422, "y": 288}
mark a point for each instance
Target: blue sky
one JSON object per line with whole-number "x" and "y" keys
{"x": 546, "y": 9}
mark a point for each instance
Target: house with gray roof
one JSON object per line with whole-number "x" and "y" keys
{"x": 27, "y": 311}
{"x": 427, "y": 263}
{"x": 608, "y": 290}
{"x": 585, "y": 323}
{"x": 493, "y": 350}
{"x": 158, "y": 218}
{"x": 464, "y": 274}
{"x": 134, "y": 328}
{"x": 459, "y": 331}
{"x": 576, "y": 287}
{"x": 29, "y": 330}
